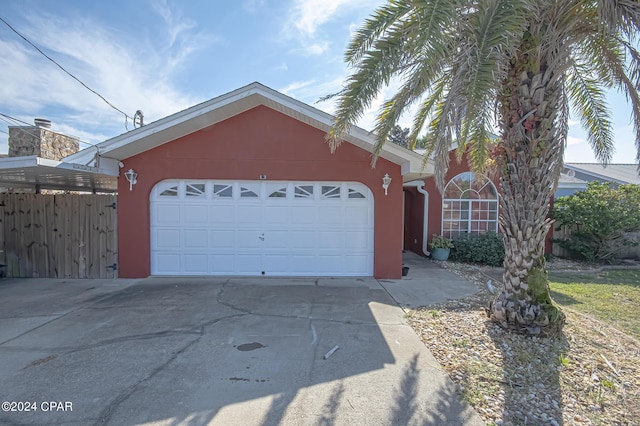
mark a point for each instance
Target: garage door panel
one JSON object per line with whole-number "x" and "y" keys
{"x": 357, "y": 264}
{"x": 222, "y": 214}
{"x": 333, "y": 240}
{"x": 248, "y": 264}
{"x": 222, "y": 264}
{"x": 195, "y": 264}
{"x": 242, "y": 228}
{"x": 194, "y": 214}
{"x": 248, "y": 239}
{"x": 357, "y": 217}
{"x": 166, "y": 238}
{"x": 277, "y": 239}
{"x": 277, "y": 264}
{"x": 222, "y": 239}
{"x": 331, "y": 216}
{"x": 357, "y": 240}
{"x": 167, "y": 214}
{"x": 277, "y": 215}
{"x": 195, "y": 238}
{"x": 301, "y": 264}
{"x": 168, "y": 263}
{"x": 304, "y": 215}
{"x": 302, "y": 239}
{"x": 248, "y": 215}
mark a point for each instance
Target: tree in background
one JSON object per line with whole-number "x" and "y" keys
{"x": 600, "y": 220}
{"x": 400, "y": 136}
{"x": 469, "y": 65}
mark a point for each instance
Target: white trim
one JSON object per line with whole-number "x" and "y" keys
{"x": 419, "y": 185}
{"x": 233, "y": 103}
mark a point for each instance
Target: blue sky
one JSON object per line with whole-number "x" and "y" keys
{"x": 164, "y": 56}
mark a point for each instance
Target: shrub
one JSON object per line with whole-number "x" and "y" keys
{"x": 486, "y": 249}
{"x": 599, "y": 219}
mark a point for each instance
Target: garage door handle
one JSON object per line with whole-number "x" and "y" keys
{"x": 261, "y": 237}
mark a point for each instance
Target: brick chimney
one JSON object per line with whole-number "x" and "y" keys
{"x": 40, "y": 140}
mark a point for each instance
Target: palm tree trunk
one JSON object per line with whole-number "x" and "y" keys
{"x": 530, "y": 163}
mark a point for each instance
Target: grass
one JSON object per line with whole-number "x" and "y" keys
{"x": 610, "y": 296}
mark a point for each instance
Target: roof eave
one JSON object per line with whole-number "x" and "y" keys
{"x": 228, "y": 105}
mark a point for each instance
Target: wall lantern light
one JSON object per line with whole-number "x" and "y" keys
{"x": 386, "y": 181}
{"x": 132, "y": 178}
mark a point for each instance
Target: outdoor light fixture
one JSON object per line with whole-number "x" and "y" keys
{"x": 132, "y": 177}
{"x": 386, "y": 181}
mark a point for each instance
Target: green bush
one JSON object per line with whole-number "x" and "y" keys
{"x": 600, "y": 219}
{"x": 486, "y": 249}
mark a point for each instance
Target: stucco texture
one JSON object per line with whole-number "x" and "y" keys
{"x": 260, "y": 141}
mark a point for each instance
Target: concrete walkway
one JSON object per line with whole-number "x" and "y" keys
{"x": 426, "y": 284}
{"x": 218, "y": 351}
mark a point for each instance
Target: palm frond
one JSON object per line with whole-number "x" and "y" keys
{"x": 426, "y": 109}
{"x": 374, "y": 27}
{"x": 588, "y": 99}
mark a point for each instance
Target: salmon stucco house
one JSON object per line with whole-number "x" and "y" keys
{"x": 245, "y": 184}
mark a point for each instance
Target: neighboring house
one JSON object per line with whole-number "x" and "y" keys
{"x": 575, "y": 176}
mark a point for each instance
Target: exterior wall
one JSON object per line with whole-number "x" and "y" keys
{"x": 257, "y": 142}
{"x": 35, "y": 140}
{"x": 415, "y": 217}
{"x": 413, "y": 220}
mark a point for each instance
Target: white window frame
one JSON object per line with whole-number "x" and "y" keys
{"x": 492, "y": 206}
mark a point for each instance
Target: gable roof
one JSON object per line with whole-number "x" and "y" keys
{"x": 618, "y": 173}
{"x": 233, "y": 103}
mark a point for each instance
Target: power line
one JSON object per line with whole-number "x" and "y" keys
{"x": 17, "y": 120}
{"x": 62, "y": 68}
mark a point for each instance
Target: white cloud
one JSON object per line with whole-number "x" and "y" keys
{"x": 295, "y": 86}
{"x": 316, "y": 49}
{"x": 126, "y": 72}
{"x": 572, "y": 140}
{"x": 308, "y": 16}
{"x": 252, "y": 6}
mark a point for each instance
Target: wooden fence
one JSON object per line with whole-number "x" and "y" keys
{"x": 58, "y": 236}
{"x": 564, "y": 232}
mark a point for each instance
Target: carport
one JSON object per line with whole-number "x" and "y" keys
{"x": 58, "y": 219}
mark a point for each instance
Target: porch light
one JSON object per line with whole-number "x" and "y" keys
{"x": 132, "y": 178}
{"x": 386, "y": 181}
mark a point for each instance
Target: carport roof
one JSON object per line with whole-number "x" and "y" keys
{"x": 36, "y": 172}
{"x": 236, "y": 102}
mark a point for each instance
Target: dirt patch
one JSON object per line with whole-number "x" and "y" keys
{"x": 590, "y": 375}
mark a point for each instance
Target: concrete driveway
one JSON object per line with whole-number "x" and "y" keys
{"x": 234, "y": 351}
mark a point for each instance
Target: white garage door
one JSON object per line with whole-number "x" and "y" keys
{"x": 271, "y": 228}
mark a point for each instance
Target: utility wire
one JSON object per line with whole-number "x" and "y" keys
{"x": 17, "y": 120}
{"x": 61, "y": 67}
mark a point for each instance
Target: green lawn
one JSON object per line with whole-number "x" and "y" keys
{"x": 610, "y": 296}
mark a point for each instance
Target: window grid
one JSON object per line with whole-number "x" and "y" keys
{"x": 474, "y": 211}
{"x": 303, "y": 191}
{"x": 195, "y": 190}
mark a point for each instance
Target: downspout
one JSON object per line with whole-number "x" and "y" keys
{"x": 419, "y": 185}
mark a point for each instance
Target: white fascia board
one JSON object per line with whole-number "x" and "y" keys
{"x": 230, "y": 104}
{"x": 594, "y": 174}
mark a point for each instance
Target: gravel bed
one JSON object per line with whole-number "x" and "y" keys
{"x": 590, "y": 375}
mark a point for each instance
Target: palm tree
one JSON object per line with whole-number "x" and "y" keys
{"x": 518, "y": 65}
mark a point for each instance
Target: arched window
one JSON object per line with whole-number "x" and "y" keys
{"x": 469, "y": 206}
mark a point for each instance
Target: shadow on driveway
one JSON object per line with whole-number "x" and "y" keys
{"x": 217, "y": 351}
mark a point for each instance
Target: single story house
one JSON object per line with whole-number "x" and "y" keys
{"x": 576, "y": 176}
{"x": 243, "y": 184}
{"x": 246, "y": 184}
